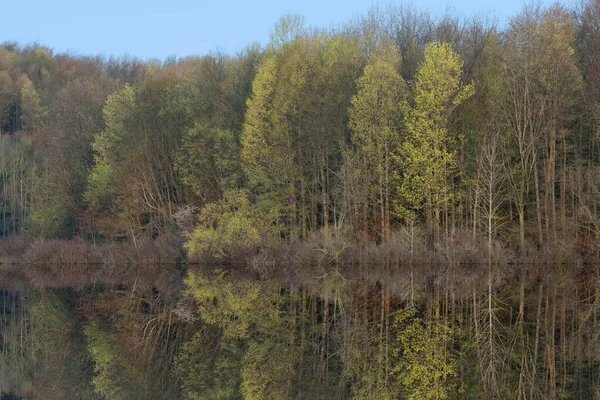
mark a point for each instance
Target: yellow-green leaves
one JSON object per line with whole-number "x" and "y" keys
{"x": 109, "y": 146}
{"x": 110, "y": 377}
{"x": 428, "y": 357}
{"x": 258, "y": 127}
{"x": 31, "y": 108}
{"x": 228, "y": 225}
{"x": 232, "y": 306}
{"x": 375, "y": 117}
{"x": 428, "y": 155}
{"x": 118, "y": 112}
{"x": 376, "y": 109}
{"x": 438, "y": 88}
{"x": 254, "y": 333}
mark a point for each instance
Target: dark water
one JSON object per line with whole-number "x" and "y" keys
{"x": 334, "y": 332}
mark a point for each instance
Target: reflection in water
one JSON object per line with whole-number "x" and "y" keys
{"x": 323, "y": 332}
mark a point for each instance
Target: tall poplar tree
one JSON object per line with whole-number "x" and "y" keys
{"x": 429, "y": 153}
{"x": 265, "y": 149}
{"x": 375, "y": 118}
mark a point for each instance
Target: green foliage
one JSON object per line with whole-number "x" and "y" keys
{"x": 48, "y": 217}
{"x": 209, "y": 162}
{"x": 229, "y": 225}
{"x": 209, "y": 366}
{"x": 43, "y": 351}
{"x": 267, "y": 163}
{"x": 375, "y": 120}
{"x": 111, "y": 148}
{"x": 137, "y": 151}
{"x": 233, "y": 307}
{"x": 428, "y": 357}
{"x": 6, "y": 99}
{"x": 31, "y": 107}
{"x": 111, "y": 145}
{"x": 316, "y": 136}
{"x": 428, "y": 155}
{"x": 101, "y": 187}
{"x": 364, "y": 365}
{"x": 376, "y": 109}
{"x": 267, "y": 369}
{"x": 255, "y": 358}
{"x": 109, "y": 374}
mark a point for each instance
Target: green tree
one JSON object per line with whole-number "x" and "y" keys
{"x": 269, "y": 147}
{"x": 375, "y": 117}
{"x": 32, "y": 112}
{"x": 428, "y": 155}
{"x": 229, "y": 225}
{"x": 137, "y": 150}
{"x": 111, "y": 147}
{"x": 7, "y": 99}
{"x": 114, "y": 377}
{"x": 209, "y": 162}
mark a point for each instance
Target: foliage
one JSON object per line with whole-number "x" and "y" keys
{"x": 31, "y": 107}
{"x": 210, "y": 370}
{"x": 110, "y": 376}
{"x": 428, "y": 155}
{"x": 428, "y": 356}
{"x": 253, "y": 340}
{"x": 374, "y": 120}
{"x": 229, "y": 225}
{"x": 208, "y": 162}
{"x": 377, "y": 143}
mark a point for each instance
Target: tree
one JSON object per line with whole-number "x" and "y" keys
{"x": 342, "y": 63}
{"x": 209, "y": 162}
{"x": 16, "y": 185}
{"x": 267, "y": 156}
{"x": 374, "y": 120}
{"x": 111, "y": 147}
{"x": 63, "y": 154}
{"x": 543, "y": 81}
{"x": 524, "y": 112}
{"x": 491, "y": 186}
{"x": 32, "y": 112}
{"x": 137, "y": 150}
{"x": 7, "y": 99}
{"x": 561, "y": 84}
{"x": 276, "y": 132}
{"x": 254, "y": 336}
{"x": 229, "y": 225}
{"x": 428, "y": 155}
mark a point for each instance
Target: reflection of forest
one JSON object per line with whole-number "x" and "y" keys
{"x": 363, "y": 330}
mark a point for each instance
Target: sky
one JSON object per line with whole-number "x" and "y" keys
{"x": 159, "y": 29}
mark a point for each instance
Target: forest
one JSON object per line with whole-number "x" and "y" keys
{"x": 396, "y": 118}
{"x": 402, "y": 207}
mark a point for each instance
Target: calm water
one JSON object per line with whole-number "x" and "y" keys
{"x": 163, "y": 332}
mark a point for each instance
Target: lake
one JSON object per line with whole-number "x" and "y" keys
{"x": 356, "y": 331}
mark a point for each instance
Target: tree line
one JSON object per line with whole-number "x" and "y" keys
{"x": 394, "y": 118}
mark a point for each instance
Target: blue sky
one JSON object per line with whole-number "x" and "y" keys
{"x": 158, "y": 29}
